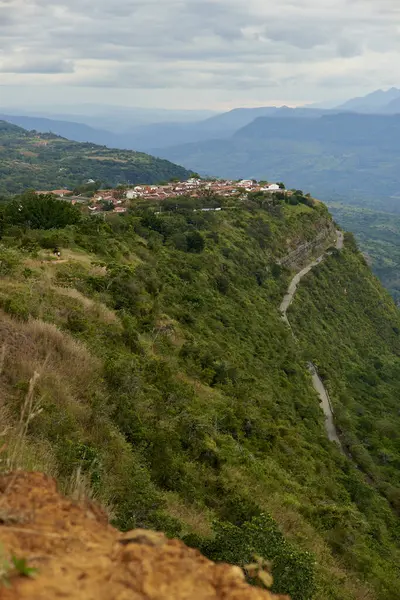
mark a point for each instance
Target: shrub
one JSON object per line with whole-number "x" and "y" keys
{"x": 195, "y": 242}
{"x": 9, "y": 261}
{"x": 292, "y": 569}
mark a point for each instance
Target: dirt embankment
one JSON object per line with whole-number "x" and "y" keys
{"x": 80, "y": 556}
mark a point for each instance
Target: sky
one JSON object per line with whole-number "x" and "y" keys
{"x": 196, "y": 54}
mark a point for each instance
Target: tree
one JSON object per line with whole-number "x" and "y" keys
{"x": 87, "y": 189}
{"x": 195, "y": 242}
{"x": 282, "y": 185}
{"x": 107, "y": 205}
{"x": 41, "y": 211}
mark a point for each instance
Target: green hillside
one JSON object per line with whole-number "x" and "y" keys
{"x": 149, "y": 367}
{"x": 29, "y": 160}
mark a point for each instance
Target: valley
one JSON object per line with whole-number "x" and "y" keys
{"x": 378, "y": 234}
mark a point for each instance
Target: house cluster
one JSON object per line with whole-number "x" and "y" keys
{"x": 196, "y": 187}
{"x": 113, "y": 200}
{"x": 117, "y": 199}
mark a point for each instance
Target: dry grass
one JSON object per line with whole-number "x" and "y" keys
{"x": 34, "y": 342}
{"x": 53, "y": 367}
{"x": 45, "y": 258}
{"x": 31, "y": 408}
{"x": 107, "y": 159}
{"x": 98, "y": 310}
{"x": 79, "y": 489}
{"x": 29, "y": 153}
{"x": 2, "y": 357}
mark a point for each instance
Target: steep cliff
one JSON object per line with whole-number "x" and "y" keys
{"x": 149, "y": 368}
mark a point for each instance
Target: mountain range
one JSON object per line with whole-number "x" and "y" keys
{"x": 380, "y": 101}
{"x": 147, "y": 136}
{"x": 115, "y": 118}
{"x": 145, "y": 129}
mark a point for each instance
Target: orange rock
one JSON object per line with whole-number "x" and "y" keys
{"x": 79, "y": 556}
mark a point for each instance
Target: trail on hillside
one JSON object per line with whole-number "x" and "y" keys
{"x": 319, "y": 387}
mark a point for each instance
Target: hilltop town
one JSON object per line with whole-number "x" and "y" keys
{"x": 119, "y": 198}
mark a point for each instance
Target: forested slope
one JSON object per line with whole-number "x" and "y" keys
{"x": 350, "y": 326}
{"x": 30, "y": 160}
{"x": 159, "y": 377}
{"x": 379, "y": 237}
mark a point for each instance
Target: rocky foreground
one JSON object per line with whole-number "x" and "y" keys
{"x": 79, "y": 556}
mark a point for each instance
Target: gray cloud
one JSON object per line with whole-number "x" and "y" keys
{"x": 205, "y": 45}
{"x": 36, "y": 65}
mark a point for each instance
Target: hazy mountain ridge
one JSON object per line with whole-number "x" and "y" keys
{"x": 145, "y": 137}
{"x": 379, "y": 101}
{"x": 145, "y": 129}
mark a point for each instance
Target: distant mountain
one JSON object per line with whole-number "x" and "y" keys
{"x": 376, "y": 102}
{"x": 237, "y": 118}
{"x": 116, "y": 119}
{"x": 158, "y": 135}
{"x": 393, "y": 107}
{"x": 78, "y": 132}
{"x": 141, "y": 137}
{"x": 344, "y": 155}
{"x": 163, "y": 135}
{"x": 46, "y": 161}
{"x": 240, "y": 117}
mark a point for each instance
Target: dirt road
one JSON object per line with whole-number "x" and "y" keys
{"x": 317, "y": 382}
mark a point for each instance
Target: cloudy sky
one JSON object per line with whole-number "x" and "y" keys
{"x": 196, "y": 53}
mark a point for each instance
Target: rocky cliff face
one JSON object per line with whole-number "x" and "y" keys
{"x": 79, "y": 556}
{"x": 301, "y": 251}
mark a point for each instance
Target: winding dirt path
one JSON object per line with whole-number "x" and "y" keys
{"x": 326, "y": 405}
{"x": 319, "y": 387}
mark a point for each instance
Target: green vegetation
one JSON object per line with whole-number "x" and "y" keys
{"x": 292, "y": 569}
{"x": 47, "y": 162}
{"x": 379, "y": 236}
{"x": 149, "y": 367}
{"x": 42, "y": 211}
{"x": 13, "y": 566}
{"x": 350, "y": 328}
